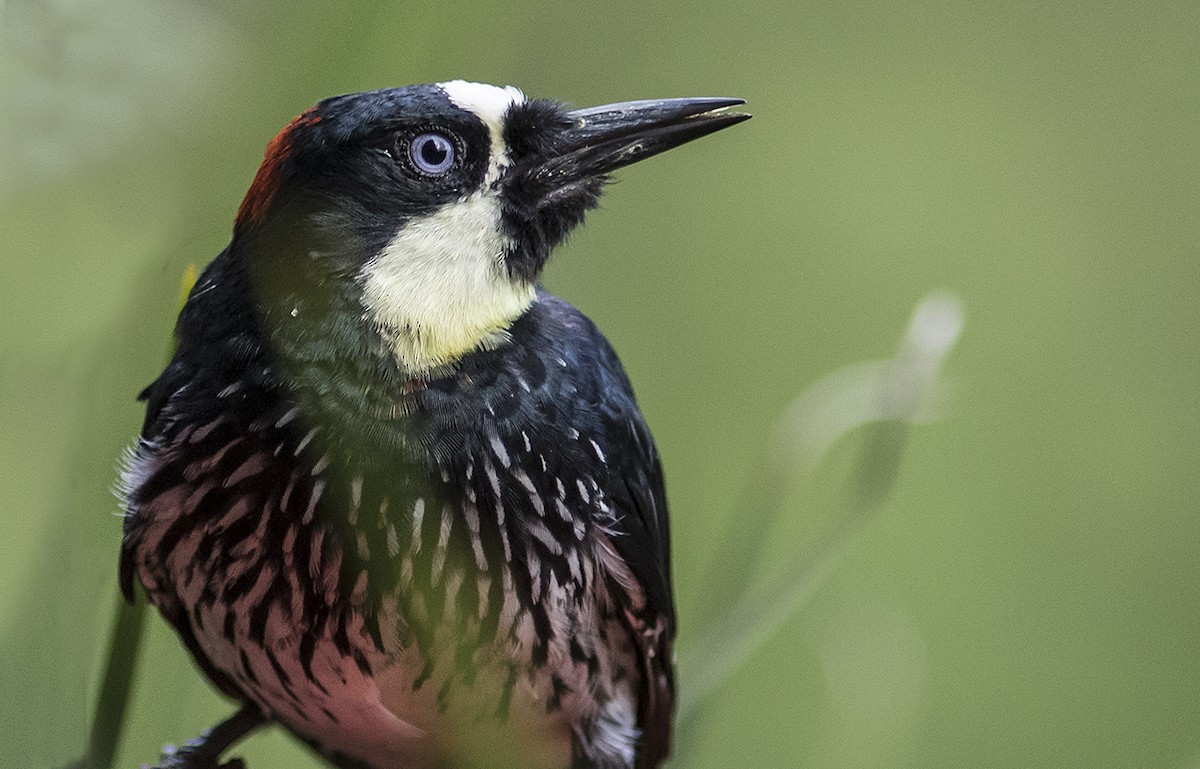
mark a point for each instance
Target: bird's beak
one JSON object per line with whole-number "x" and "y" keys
{"x": 603, "y": 139}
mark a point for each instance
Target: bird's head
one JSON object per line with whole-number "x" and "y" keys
{"x": 432, "y": 209}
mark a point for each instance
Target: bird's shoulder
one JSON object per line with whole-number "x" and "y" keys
{"x": 590, "y": 380}
{"x": 571, "y": 393}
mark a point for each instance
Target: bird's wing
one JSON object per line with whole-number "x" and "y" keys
{"x": 639, "y": 534}
{"x": 155, "y": 395}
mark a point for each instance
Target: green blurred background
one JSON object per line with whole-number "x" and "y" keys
{"x": 1028, "y": 596}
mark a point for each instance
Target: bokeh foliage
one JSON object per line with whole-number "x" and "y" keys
{"x": 1028, "y": 597}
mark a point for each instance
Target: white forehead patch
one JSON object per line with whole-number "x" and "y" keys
{"x": 489, "y": 103}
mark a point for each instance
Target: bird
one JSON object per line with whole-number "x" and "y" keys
{"x": 391, "y": 494}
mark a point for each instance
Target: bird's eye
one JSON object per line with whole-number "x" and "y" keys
{"x": 431, "y": 153}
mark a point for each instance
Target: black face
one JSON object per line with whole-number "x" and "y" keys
{"x": 361, "y": 165}
{"x": 334, "y": 189}
{"x": 344, "y": 177}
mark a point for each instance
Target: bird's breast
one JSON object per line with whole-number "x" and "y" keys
{"x": 390, "y": 612}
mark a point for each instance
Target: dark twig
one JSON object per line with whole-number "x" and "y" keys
{"x": 116, "y": 683}
{"x": 120, "y": 664}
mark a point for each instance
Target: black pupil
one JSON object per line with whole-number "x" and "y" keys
{"x": 434, "y": 152}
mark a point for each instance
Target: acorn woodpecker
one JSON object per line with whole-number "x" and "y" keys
{"x": 390, "y": 493}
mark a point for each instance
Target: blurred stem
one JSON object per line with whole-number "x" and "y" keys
{"x": 124, "y": 644}
{"x": 905, "y": 389}
{"x": 887, "y": 397}
{"x": 761, "y": 611}
{"x": 116, "y": 682}
{"x": 742, "y": 543}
